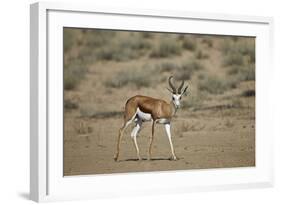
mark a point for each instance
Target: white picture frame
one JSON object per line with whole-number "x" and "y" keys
{"x": 46, "y": 178}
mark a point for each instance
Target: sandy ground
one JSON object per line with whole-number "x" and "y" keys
{"x": 215, "y": 136}
{"x": 211, "y": 142}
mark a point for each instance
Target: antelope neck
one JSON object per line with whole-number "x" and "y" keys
{"x": 173, "y": 107}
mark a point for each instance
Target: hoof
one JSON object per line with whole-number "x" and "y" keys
{"x": 174, "y": 158}
{"x": 115, "y": 158}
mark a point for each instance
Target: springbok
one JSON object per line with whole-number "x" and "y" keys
{"x": 140, "y": 109}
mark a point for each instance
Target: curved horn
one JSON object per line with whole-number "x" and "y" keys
{"x": 171, "y": 84}
{"x": 181, "y": 86}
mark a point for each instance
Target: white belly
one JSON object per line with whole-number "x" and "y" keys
{"x": 162, "y": 121}
{"x": 147, "y": 117}
{"x": 143, "y": 116}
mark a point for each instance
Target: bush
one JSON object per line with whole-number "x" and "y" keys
{"x": 215, "y": 85}
{"x": 111, "y": 46}
{"x": 186, "y": 70}
{"x": 116, "y": 54}
{"x": 208, "y": 40}
{"x": 134, "y": 43}
{"x": 168, "y": 67}
{"x": 246, "y": 74}
{"x": 68, "y": 104}
{"x": 234, "y": 70}
{"x": 72, "y": 75}
{"x": 97, "y": 38}
{"x": 131, "y": 77}
{"x": 69, "y": 39}
{"x": 200, "y": 55}
{"x": 91, "y": 111}
{"x": 236, "y": 103}
{"x": 193, "y": 102}
{"x": 123, "y": 50}
{"x": 70, "y": 82}
{"x": 242, "y": 73}
{"x": 248, "y": 93}
{"x": 233, "y": 59}
{"x": 238, "y": 52}
{"x": 146, "y": 34}
{"x": 166, "y": 48}
{"x": 189, "y": 44}
{"x": 239, "y": 57}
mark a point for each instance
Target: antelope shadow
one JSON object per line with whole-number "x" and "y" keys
{"x": 146, "y": 159}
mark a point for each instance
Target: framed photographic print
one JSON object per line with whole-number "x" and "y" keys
{"x": 123, "y": 97}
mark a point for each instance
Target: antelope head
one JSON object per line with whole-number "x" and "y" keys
{"x": 176, "y": 93}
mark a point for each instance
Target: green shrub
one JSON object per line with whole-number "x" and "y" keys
{"x": 239, "y": 57}
{"x": 168, "y": 67}
{"x": 123, "y": 49}
{"x": 233, "y": 59}
{"x": 98, "y": 38}
{"x": 189, "y": 44}
{"x": 181, "y": 37}
{"x": 248, "y": 93}
{"x": 236, "y": 103}
{"x": 116, "y": 54}
{"x": 186, "y": 70}
{"x": 69, "y": 39}
{"x": 238, "y": 52}
{"x": 166, "y": 48}
{"x": 247, "y": 48}
{"x": 146, "y": 34}
{"x": 200, "y": 55}
{"x": 246, "y": 74}
{"x": 131, "y": 77}
{"x": 234, "y": 70}
{"x": 72, "y": 75}
{"x": 68, "y": 104}
{"x": 208, "y": 40}
{"x": 193, "y": 101}
{"x": 135, "y": 43}
{"x": 91, "y": 111}
{"x": 216, "y": 85}
{"x": 242, "y": 73}
{"x": 70, "y": 82}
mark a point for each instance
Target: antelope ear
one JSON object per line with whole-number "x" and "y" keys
{"x": 184, "y": 91}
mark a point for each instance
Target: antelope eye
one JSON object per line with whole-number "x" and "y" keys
{"x": 180, "y": 97}
{"x": 173, "y": 98}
